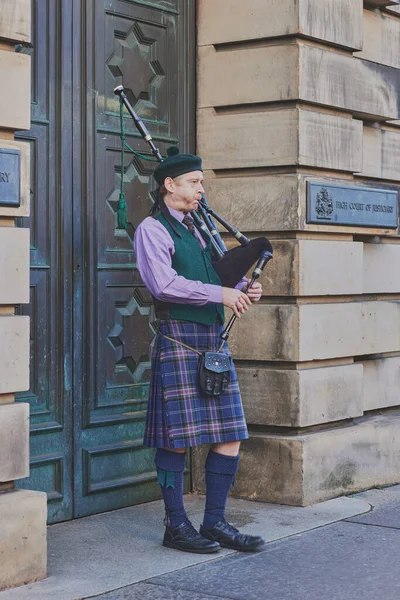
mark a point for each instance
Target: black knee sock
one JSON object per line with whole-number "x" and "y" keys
{"x": 220, "y": 473}
{"x": 170, "y": 468}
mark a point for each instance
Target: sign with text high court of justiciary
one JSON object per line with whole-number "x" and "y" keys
{"x": 334, "y": 204}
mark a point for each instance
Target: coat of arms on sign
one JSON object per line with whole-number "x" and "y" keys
{"x": 324, "y": 205}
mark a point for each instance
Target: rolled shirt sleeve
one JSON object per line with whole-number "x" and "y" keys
{"x": 242, "y": 283}
{"x": 154, "y": 248}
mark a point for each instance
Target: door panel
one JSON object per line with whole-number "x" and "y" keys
{"x": 137, "y": 44}
{"x": 50, "y": 311}
{"x": 90, "y": 313}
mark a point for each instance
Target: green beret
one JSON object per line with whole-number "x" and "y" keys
{"x": 176, "y": 164}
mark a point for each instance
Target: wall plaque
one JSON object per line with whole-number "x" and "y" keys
{"x": 10, "y": 161}
{"x": 335, "y": 204}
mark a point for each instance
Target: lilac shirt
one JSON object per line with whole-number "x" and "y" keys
{"x": 154, "y": 248}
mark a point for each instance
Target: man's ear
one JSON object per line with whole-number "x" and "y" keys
{"x": 169, "y": 184}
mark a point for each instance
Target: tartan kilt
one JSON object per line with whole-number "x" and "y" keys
{"x": 179, "y": 415}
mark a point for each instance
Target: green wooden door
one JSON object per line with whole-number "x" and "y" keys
{"x": 90, "y": 313}
{"x": 51, "y": 310}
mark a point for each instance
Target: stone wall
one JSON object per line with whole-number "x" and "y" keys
{"x": 291, "y": 91}
{"x": 22, "y": 512}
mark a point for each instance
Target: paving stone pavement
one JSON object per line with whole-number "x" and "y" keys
{"x": 111, "y": 551}
{"x": 354, "y": 559}
{"x": 336, "y": 550}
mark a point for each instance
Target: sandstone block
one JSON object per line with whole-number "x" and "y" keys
{"x": 14, "y": 265}
{"x": 270, "y": 470}
{"x": 302, "y": 397}
{"x": 372, "y": 151}
{"x": 6, "y": 399}
{"x": 349, "y": 329}
{"x": 338, "y": 23}
{"x": 305, "y": 332}
{"x": 380, "y": 149}
{"x": 314, "y": 268}
{"x": 340, "y": 81}
{"x": 352, "y": 458}
{"x": 24, "y": 209}
{"x": 381, "y": 39}
{"x": 15, "y": 23}
{"x": 254, "y": 20}
{"x": 393, "y": 9}
{"x": 313, "y": 467}
{"x": 281, "y": 275}
{"x": 329, "y": 268}
{"x": 231, "y": 21}
{"x": 279, "y": 138}
{"x": 267, "y": 74}
{"x": 14, "y": 441}
{"x": 298, "y": 72}
{"x": 381, "y": 268}
{"x": 15, "y": 98}
{"x": 256, "y": 203}
{"x": 380, "y": 3}
{"x": 227, "y": 141}
{"x": 23, "y": 544}
{"x": 14, "y": 354}
{"x": 274, "y": 334}
{"x": 259, "y": 202}
{"x": 307, "y": 468}
{"x": 390, "y": 147}
{"x": 329, "y": 141}
{"x": 381, "y": 383}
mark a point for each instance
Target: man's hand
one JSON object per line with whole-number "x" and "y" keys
{"x": 236, "y": 300}
{"x": 255, "y": 292}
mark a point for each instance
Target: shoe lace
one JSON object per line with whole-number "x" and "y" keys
{"x": 189, "y": 531}
{"x": 230, "y": 529}
{"x": 241, "y": 537}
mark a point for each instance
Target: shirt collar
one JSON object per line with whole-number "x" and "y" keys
{"x": 179, "y": 216}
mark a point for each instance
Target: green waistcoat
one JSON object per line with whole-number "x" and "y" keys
{"x": 191, "y": 262}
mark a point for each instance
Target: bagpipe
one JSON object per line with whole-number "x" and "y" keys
{"x": 230, "y": 265}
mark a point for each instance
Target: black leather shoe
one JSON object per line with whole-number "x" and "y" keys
{"x": 230, "y": 537}
{"x": 186, "y": 538}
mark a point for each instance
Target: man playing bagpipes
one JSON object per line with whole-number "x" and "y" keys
{"x": 175, "y": 263}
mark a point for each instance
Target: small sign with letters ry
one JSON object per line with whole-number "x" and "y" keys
{"x": 334, "y": 204}
{"x": 10, "y": 161}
